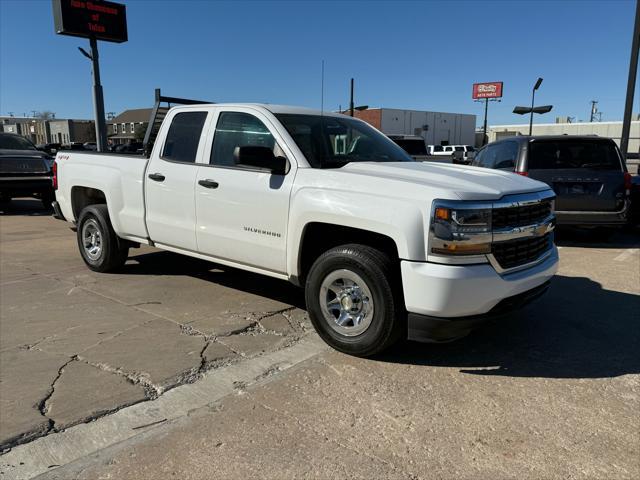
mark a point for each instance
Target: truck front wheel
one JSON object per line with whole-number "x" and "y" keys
{"x": 97, "y": 241}
{"x": 353, "y": 300}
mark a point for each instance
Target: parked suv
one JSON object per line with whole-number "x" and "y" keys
{"x": 587, "y": 173}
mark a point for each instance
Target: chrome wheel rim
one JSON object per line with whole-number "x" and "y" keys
{"x": 346, "y": 302}
{"x": 92, "y": 239}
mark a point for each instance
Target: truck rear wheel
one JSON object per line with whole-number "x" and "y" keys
{"x": 354, "y": 301}
{"x": 97, "y": 241}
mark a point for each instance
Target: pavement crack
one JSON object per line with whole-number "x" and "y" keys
{"x": 43, "y": 407}
{"x": 151, "y": 390}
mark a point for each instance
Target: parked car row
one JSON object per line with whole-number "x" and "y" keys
{"x": 415, "y": 146}
{"x": 462, "y": 154}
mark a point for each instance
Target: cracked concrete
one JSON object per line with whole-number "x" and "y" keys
{"x": 76, "y": 345}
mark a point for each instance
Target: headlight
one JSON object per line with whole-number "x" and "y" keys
{"x": 459, "y": 229}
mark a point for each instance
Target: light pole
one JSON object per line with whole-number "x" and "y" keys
{"x": 631, "y": 84}
{"x": 351, "y": 107}
{"x": 533, "y": 97}
{"x": 533, "y": 109}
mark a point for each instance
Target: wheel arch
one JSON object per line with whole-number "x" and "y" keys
{"x": 318, "y": 237}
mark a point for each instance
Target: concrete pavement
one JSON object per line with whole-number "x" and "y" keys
{"x": 76, "y": 345}
{"x": 553, "y": 393}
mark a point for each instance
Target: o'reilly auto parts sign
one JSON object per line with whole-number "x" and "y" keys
{"x": 487, "y": 90}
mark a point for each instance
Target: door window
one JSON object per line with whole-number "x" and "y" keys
{"x": 505, "y": 156}
{"x": 183, "y": 138}
{"x": 236, "y": 129}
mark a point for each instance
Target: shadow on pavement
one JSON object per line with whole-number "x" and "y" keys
{"x": 24, "y": 206}
{"x": 627, "y": 237}
{"x": 577, "y": 330}
{"x": 168, "y": 263}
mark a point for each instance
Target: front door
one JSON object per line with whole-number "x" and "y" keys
{"x": 242, "y": 213}
{"x": 170, "y": 182}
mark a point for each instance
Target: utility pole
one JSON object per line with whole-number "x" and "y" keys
{"x": 351, "y": 100}
{"x": 594, "y": 110}
{"x": 631, "y": 84}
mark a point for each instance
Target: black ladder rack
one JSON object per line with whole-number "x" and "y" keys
{"x": 157, "y": 116}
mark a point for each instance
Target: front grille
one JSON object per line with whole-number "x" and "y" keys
{"x": 520, "y": 216}
{"x": 514, "y": 253}
{"x": 23, "y": 166}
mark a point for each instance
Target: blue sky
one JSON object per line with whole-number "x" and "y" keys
{"x": 418, "y": 55}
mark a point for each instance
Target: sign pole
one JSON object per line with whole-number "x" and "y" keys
{"x": 484, "y": 129}
{"x": 98, "y": 98}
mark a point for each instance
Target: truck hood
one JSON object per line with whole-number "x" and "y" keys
{"x": 465, "y": 182}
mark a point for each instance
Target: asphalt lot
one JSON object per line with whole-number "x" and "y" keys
{"x": 177, "y": 367}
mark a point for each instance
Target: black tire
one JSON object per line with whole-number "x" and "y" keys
{"x": 376, "y": 269}
{"x": 111, "y": 255}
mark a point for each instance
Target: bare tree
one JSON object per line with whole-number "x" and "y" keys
{"x": 46, "y": 115}
{"x": 140, "y": 130}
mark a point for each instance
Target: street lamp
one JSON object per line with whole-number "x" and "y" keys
{"x": 531, "y": 110}
{"x": 533, "y": 96}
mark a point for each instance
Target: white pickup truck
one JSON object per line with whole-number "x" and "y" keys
{"x": 384, "y": 246}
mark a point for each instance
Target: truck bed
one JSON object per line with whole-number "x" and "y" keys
{"x": 120, "y": 178}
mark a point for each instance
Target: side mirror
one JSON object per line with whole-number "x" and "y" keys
{"x": 260, "y": 157}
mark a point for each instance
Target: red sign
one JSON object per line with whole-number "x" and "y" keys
{"x": 487, "y": 90}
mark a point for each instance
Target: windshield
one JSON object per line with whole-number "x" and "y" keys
{"x": 412, "y": 147}
{"x": 332, "y": 142}
{"x": 15, "y": 142}
{"x": 573, "y": 153}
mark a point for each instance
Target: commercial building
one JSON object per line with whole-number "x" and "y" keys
{"x": 53, "y": 130}
{"x": 71, "y": 131}
{"x": 602, "y": 129}
{"x": 127, "y": 126}
{"x": 35, "y": 129}
{"x": 437, "y": 128}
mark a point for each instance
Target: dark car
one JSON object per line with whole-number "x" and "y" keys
{"x": 130, "y": 147}
{"x": 50, "y": 148}
{"x": 24, "y": 170}
{"x": 587, "y": 173}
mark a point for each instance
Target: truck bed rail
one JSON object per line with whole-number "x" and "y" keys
{"x": 158, "y": 113}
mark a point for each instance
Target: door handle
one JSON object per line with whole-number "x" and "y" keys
{"x": 158, "y": 177}
{"x": 208, "y": 183}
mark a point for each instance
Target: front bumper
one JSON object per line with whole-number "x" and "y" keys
{"x": 25, "y": 186}
{"x": 445, "y": 294}
{"x": 435, "y": 329}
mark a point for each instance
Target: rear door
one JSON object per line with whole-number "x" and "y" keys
{"x": 585, "y": 173}
{"x": 170, "y": 181}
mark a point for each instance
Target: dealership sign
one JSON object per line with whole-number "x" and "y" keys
{"x": 487, "y": 90}
{"x": 86, "y": 18}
